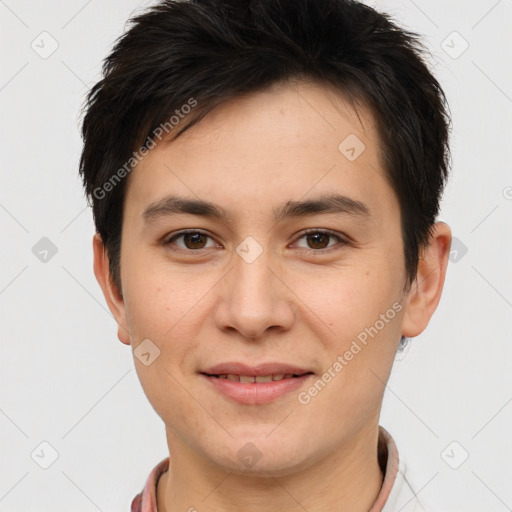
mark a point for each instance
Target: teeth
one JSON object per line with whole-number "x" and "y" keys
{"x": 259, "y": 378}
{"x": 264, "y": 378}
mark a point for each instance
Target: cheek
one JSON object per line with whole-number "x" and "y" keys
{"x": 159, "y": 298}
{"x": 167, "y": 308}
{"x": 358, "y": 360}
{"x": 165, "y": 312}
{"x": 360, "y": 324}
{"x": 348, "y": 298}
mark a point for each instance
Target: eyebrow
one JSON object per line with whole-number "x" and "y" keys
{"x": 331, "y": 203}
{"x": 174, "y": 204}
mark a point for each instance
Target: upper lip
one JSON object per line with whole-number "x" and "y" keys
{"x": 272, "y": 368}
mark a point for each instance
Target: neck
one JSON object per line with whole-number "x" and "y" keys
{"x": 348, "y": 478}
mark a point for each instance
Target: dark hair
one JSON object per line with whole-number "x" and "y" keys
{"x": 203, "y": 52}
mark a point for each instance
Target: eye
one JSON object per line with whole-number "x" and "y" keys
{"x": 320, "y": 239}
{"x": 191, "y": 241}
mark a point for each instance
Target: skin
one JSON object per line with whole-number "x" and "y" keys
{"x": 298, "y": 302}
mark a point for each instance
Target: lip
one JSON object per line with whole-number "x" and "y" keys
{"x": 257, "y": 392}
{"x": 271, "y": 368}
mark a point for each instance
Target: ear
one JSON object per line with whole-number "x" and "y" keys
{"x": 425, "y": 292}
{"x": 111, "y": 292}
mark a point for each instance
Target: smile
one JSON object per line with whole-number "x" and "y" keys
{"x": 254, "y": 379}
{"x": 255, "y": 390}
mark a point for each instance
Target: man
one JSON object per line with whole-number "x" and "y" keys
{"x": 265, "y": 178}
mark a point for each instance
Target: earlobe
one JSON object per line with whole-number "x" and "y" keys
{"x": 111, "y": 293}
{"x": 425, "y": 292}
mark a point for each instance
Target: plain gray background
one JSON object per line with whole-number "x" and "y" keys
{"x": 68, "y": 382}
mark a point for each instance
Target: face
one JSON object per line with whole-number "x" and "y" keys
{"x": 294, "y": 267}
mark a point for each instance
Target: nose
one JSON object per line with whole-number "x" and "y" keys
{"x": 254, "y": 300}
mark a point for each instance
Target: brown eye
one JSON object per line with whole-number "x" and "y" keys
{"x": 194, "y": 240}
{"x": 191, "y": 241}
{"x": 318, "y": 240}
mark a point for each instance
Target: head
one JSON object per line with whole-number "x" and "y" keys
{"x": 304, "y": 147}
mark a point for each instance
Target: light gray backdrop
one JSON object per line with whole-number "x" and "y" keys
{"x": 70, "y": 398}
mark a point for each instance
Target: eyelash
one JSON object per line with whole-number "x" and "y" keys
{"x": 341, "y": 241}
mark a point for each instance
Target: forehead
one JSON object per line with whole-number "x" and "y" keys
{"x": 281, "y": 143}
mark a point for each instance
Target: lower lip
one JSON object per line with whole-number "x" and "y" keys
{"x": 256, "y": 392}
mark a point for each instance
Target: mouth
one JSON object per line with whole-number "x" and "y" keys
{"x": 253, "y": 379}
{"x": 253, "y": 385}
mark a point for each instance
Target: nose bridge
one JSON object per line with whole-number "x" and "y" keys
{"x": 252, "y": 281}
{"x": 253, "y": 299}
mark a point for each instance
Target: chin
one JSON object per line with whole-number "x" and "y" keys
{"x": 262, "y": 454}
